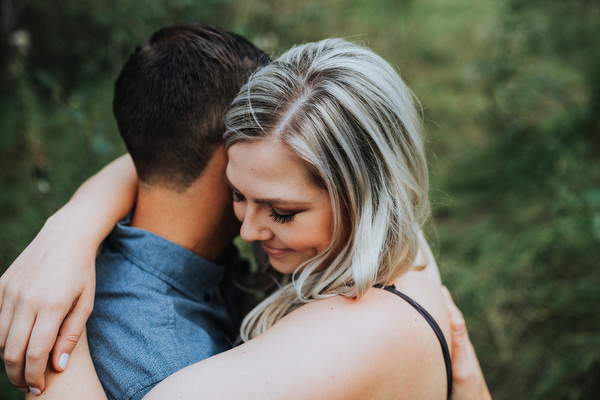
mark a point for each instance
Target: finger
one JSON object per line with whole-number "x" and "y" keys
{"x": 453, "y": 310}
{"x": 40, "y": 345}
{"x": 460, "y": 342}
{"x": 464, "y": 360}
{"x": 69, "y": 335}
{"x": 457, "y": 322}
{"x": 1, "y": 295}
{"x": 16, "y": 347}
{"x": 6, "y": 318}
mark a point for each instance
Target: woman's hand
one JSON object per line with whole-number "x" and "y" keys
{"x": 467, "y": 377}
{"x": 47, "y": 294}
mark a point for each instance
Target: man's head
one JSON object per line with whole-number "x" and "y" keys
{"x": 171, "y": 96}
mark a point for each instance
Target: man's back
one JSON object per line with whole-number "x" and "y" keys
{"x": 157, "y": 311}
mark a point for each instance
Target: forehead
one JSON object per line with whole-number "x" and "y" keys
{"x": 268, "y": 166}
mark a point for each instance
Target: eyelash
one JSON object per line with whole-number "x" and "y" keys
{"x": 281, "y": 218}
{"x": 238, "y": 197}
{"x": 276, "y": 217}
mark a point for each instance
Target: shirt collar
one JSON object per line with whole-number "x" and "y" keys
{"x": 168, "y": 261}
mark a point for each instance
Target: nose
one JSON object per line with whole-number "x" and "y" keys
{"x": 253, "y": 228}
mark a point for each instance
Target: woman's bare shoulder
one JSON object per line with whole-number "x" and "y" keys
{"x": 387, "y": 337}
{"x": 382, "y": 317}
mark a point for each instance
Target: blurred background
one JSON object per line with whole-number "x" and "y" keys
{"x": 510, "y": 91}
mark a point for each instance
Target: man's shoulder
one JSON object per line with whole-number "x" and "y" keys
{"x": 118, "y": 267}
{"x": 139, "y": 335}
{"x": 152, "y": 315}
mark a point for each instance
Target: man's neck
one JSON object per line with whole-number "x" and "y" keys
{"x": 200, "y": 219}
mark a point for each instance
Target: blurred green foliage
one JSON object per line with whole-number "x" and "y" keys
{"x": 511, "y": 97}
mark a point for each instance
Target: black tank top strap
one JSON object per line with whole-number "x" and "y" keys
{"x": 434, "y": 326}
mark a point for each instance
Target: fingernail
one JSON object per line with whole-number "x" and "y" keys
{"x": 24, "y": 390}
{"x": 35, "y": 391}
{"x": 62, "y": 361}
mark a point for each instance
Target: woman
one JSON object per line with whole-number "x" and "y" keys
{"x": 328, "y": 173}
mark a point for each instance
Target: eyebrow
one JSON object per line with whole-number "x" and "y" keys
{"x": 275, "y": 201}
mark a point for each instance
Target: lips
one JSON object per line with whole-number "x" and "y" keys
{"x": 275, "y": 252}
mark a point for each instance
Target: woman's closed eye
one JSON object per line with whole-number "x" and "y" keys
{"x": 238, "y": 197}
{"x": 281, "y": 218}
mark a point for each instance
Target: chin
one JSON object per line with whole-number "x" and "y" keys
{"x": 282, "y": 266}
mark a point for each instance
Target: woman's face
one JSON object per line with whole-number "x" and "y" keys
{"x": 277, "y": 203}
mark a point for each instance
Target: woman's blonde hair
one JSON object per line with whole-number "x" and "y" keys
{"x": 349, "y": 117}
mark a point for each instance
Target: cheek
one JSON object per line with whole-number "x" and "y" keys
{"x": 316, "y": 241}
{"x": 239, "y": 209}
{"x": 326, "y": 234}
{"x": 326, "y": 238}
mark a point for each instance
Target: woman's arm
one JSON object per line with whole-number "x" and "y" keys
{"x": 48, "y": 291}
{"x": 332, "y": 349}
{"x": 78, "y": 382}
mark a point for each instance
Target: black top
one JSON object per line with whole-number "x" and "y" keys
{"x": 434, "y": 326}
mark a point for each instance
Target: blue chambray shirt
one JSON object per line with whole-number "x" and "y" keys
{"x": 156, "y": 311}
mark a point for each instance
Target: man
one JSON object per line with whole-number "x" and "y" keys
{"x": 159, "y": 307}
